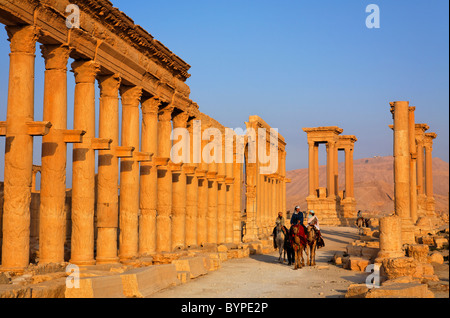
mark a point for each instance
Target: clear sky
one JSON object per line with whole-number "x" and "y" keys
{"x": 301, "y": 64}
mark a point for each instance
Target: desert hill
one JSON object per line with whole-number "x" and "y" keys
{"x": 374, "y": 185}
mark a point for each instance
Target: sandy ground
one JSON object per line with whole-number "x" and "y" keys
{"x": 262, "y": 276}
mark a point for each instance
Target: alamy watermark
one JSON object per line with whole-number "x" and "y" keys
{"x": 373, "y": 279}
{"x": 234, "y": 147}
{"x": 73, "y": 276}
{"x": 73, "y": 19}
{"x": 373, "y": 19}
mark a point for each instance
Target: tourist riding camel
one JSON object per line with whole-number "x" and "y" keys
{"x": 280, "y": 220}
{"x": 313, "y": 221}
{"x": 297, "y": 216}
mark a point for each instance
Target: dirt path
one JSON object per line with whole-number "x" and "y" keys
{"x": 262, "y": 276}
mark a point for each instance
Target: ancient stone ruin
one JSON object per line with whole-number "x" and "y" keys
{"x": 140, "y": 207}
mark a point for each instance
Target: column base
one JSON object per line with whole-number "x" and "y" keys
{"x": 408, "y": 230}
{"x": 82, "y": 263}
{"x": 17, "y": 270}
{"x": 107, "y": 260}
{"x": 325, "y": 209}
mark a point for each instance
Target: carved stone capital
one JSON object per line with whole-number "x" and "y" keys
{"x": 23, "y": 38}
{"x": 109, "y": 85}
{"x": 151, "y": 105}
{"x": 85, "y": 71}
{"x": 131, "y": 95}
{"x": 165, "y": 114}
{"x": 180, "y": 120}
{"x": 55, "y": 56}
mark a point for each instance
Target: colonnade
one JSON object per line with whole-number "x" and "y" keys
{"x": 143, "y": 203}
{"x": 413, "y": 180}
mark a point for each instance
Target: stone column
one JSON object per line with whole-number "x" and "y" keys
{"x": 221, "y": 196}
{"x": 108, "y": 171}
{"x": 429, "y": 172}
{"x": 413, "y": 164}
{"x": 83, "y": 166}
{"x": 149, "y": 177}
{"x": 390, "y": 238}
{"x": 191, "y": 193}
{"x": 179, "y": 192}
{"x": 211, "y": 217}
{"x": 18, "y": 149}
{"x": 202, "y": 170}
{"x": 402, "y": 201}
{"x": 421, "y": 197}
{"x": 311, "y": 169}
{"x": 229, "y": 183}
{"x": 331, "y": 145}
{"x": 316, "y": 167}
{"x": 164, "y": 202}
{"x": 237, "y": 189}
{"x": 52, "y": 215}
{"x": 129, "y": 175}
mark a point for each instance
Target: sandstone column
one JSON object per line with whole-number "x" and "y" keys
{"x": 83, "y": 167}
{"x": 179, "y": 192}
{"x": 330, "y": 169}
{"x": 413, "y": 164}
{"x": 52, "y": 214}
{"x": 129, "y": 175}
{"x": 421, "y": 197}
{"x": 311, "y": 169}
{"x": 164, "y": 202}
{"x": 429, "y": 172}
{"x": 108, "y": 171}
{"x": 192, "y": 193}
{"x": 390, "y": 238}
{"x": 18, "y": 148}
{"x": 202, "y": 194}
{"x": 149, "y": 177}
{"x": 229, "y": 182}
{"x": 402, "y": 201}
{"x": 237, "y": 189}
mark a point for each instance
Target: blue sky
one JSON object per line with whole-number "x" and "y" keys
{"x": 301, "y": 64}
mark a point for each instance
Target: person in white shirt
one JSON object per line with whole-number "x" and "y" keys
{"x": 314, "y": 221}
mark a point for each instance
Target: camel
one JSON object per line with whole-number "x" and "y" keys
{"x": 299, "y": 245}
{"x": 279, "y": 240}
{"x": 311, "y": 236}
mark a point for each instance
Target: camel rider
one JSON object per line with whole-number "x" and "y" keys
{"x": 314, "y": 221}
{"x": 278, "y": 221}
{"x": 359, "y": 215}
{"x": 297, "y": 217}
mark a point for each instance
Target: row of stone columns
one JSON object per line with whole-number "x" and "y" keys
{"x": 159, "y": 207}
{"x": 409, "y": 141}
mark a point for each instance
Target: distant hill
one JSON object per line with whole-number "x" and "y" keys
{"x": 374, "y": 185}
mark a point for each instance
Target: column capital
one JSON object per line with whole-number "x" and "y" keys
{"x": 165, "y": 114}
{"x": 85, "y": 71}
{"x": 23, "y": 38}
{"x": 131, "y": 95}
{"x": 180, "y": 120}
{"x": 109, "y": 85}
{"x": 56, "y": 56}
{"x": 151, "y": 105}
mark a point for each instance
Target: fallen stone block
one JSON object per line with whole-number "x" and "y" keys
{"x": 357, "y": 291}
{"x": 195, "y": 266}
{"x": 96, "y": 287}
{"x": 143, "y": 282}
{"x": 15, "y": 291}
{"x": 436, "y": 257}
{"x": 419, "y": 252}
{"x": 356, "y": 263}
{"x": 49, "y": 289}
{"x": 401, "y": 290}
{"x": 369, "y": 252}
